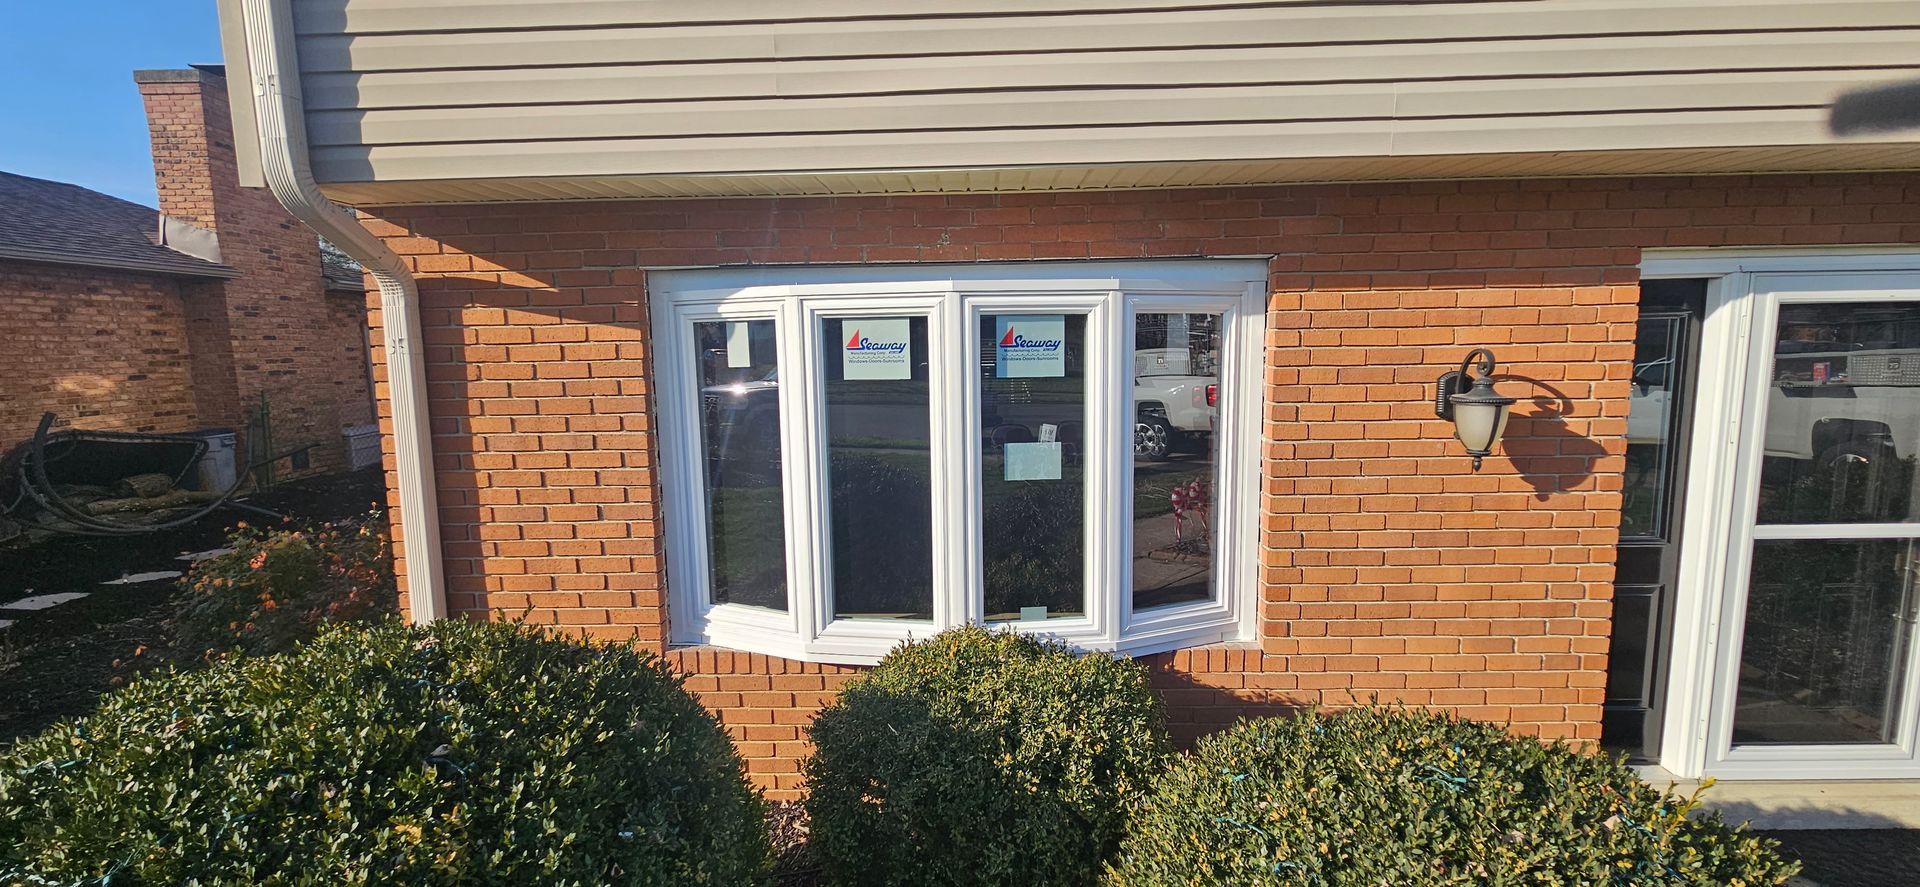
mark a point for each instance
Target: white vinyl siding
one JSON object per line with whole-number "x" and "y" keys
{"x": 448, "y": 90}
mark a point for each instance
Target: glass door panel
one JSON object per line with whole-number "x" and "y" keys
{"x": 879, "y": 466}
{"x": 1653, "y": 418}
{"x": 1842, "y": 415}
{"x": 1827, "y": 637}
{"x": 1825, "y": 650}
{"x": 1176, "y": 398}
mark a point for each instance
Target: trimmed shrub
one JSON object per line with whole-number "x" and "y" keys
{"x": 1376, "y": 796}
{"x": 278, "y": 586}
{"x": 462, "y": 753}
{"x": 980, "y": 757}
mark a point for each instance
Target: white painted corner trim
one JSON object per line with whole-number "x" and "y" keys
{"x": 269, "y": 36}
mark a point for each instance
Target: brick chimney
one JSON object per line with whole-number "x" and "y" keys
{"x": 275, "y": 329}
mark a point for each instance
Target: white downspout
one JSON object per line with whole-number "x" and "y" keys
{"x": 283, "y": 158}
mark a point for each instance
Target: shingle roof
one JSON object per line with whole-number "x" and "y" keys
{"x": 343, "y": 279}
{"x": 43, "y": 221}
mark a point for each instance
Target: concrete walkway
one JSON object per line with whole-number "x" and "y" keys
{"x": 1848, "y": 833}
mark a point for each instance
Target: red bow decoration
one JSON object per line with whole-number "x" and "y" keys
{"x": 1189, "y": 499}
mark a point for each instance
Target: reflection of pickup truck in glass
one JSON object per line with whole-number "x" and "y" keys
{"x": 1827, "y": 406}
{"x": 1647, "y": 405}
{"x": 1836, "y": 406}
{"x": 1175, "y": 398}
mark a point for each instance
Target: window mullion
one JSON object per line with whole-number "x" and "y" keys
{"x": 802, "y": 490}
{"x": 1120, "y": 450}
{"x": 956, "y": 455}
{"x": 1110, "y": 402}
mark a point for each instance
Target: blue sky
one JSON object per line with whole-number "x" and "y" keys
{"x": 70, "y": 108}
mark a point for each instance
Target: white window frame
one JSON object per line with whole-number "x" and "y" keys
{"x": 1743, "y": 293}
{"x": 952, "y": 297}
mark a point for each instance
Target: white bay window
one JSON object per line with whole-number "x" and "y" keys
{"x": 857, "y": 456}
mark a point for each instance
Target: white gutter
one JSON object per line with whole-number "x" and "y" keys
{"x": 281, "y": 123}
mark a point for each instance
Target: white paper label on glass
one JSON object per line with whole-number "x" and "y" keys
{"x": 1049, "y": 432}
{"x": 1033, "y": 614}
{"x": 1036, "y": 460}
{"x": 876, "y": 348}
{"x": 739, "y": 346}
{"x": 1031, "y": 346}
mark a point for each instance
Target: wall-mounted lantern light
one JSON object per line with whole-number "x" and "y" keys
{"x": 1466, "y": 398}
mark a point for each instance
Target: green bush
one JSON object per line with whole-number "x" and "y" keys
{"x": 277, "y": 587}
{"x": 980, "y": 757}
{"x": 1378, "y": 796}
{"x": 463, "y": 753}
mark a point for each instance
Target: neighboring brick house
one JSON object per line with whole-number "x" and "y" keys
{"x": 115, "y": 317}
{"x": 774, "y": 340}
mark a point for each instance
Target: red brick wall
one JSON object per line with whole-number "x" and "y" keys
{"x": 1389, "y": 568}
{"x": 101, "y": 349}
{"x": 283, "y": 334}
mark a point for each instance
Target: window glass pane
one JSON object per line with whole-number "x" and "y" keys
{"x": 1651, "y": 409}
{"x": 879, "y": 466}
{"x": 740, "y": 442}
{"x": 1033, "y": 401}
{"x": 1843, "y": 414}
{"x": 1828, "y": 629}
{"x": 1176, "y": 395}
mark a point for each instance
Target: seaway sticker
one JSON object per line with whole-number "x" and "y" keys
{"x": 1030, "y": 346}
{"x": 876, "y": 348}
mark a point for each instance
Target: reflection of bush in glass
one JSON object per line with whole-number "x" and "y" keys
{"x": 882, "y": 535}
{"x": 1821, "y": 623}
{"x": 1876, "y": 487}
{"x": 1032, "y": 555}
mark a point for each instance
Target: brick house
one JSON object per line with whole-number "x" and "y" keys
{"x": 773, "y": 338}
{"x": 116, "y": 317}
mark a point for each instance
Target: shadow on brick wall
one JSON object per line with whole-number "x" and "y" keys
{"x": 1202, "y": 704}
{"x": 1543, "y": 443}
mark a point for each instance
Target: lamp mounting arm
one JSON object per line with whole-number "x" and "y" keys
{"x": 1479, "y": 361}
{"x": 1484, "y": 367}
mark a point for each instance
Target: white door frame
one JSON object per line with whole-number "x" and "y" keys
{"x": 1715, "y": 537}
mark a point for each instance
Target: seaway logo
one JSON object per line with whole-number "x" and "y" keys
{"x": 1013, "y": 340}
{"x": 855, "y": 343}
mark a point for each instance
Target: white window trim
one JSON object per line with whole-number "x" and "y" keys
{"x": 1695, "y": 740}
{"x": 952, "y": 296}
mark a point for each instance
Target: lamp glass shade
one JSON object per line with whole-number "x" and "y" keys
{"x": 1478, "y": 423}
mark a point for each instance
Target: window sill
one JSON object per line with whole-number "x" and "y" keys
{"x": 868, "y": 646}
